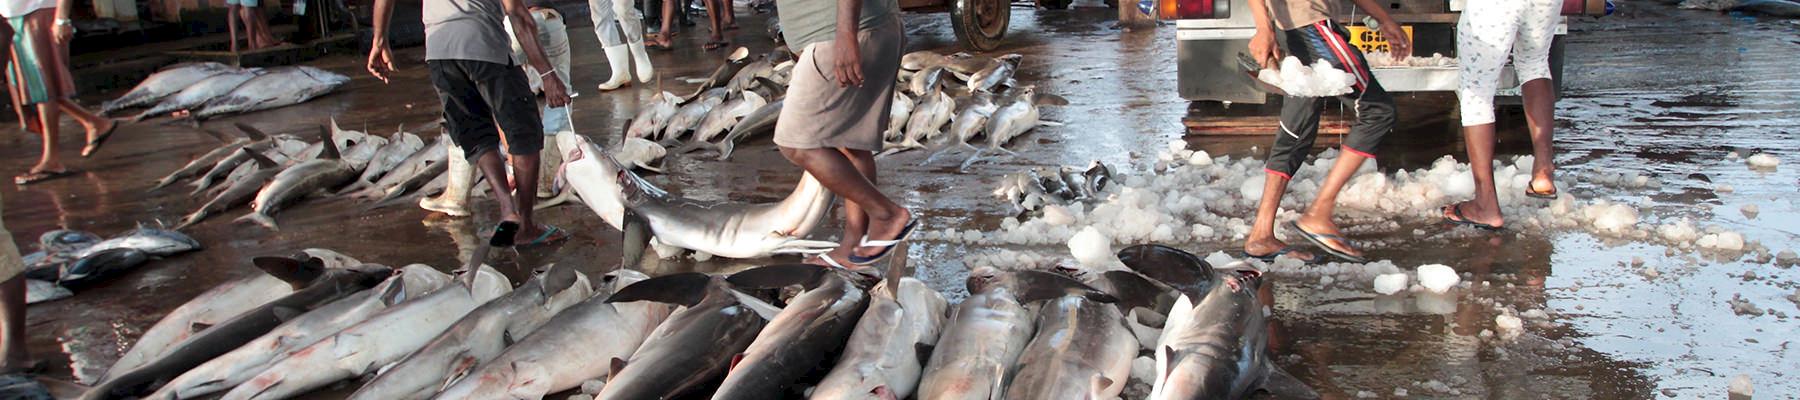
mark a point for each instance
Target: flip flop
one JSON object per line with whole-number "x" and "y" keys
{"x": 36, "y": 177}
{"x": 552, "y": 234}
{"x": 1270, "y": 257}
{"x": 887, "y": 246}
{"x": 1318, "y": 239}
{"x": 831, "y": 262}
{"x": 1533, "y": 193}
{"x": 94, "y": 146}
{"x": 504, "y": 234}
{"x": 1456, "y": 211}
{"x": 715, "y": 45}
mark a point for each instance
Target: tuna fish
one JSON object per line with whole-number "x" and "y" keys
{"x": 151, "y": 241}
{"x": 797, "y": 341}
{"x": 278, "y": 87}
{"x": 695, "y": 345}
{"x": 380, "y": 340}
{"x": 301, "y": 180}
{"x": 200, "y": 92}
{"x": 887, "y": 352}
{"x": 313, "y": 286}
{"x": 978, "y": 352}
{"x": 163, "y": 83}
{"x": 236, "y": 367}
{"x": 479, "y": 336}
{"x": 995, "y": 75}
{"x": 585, "y": 342}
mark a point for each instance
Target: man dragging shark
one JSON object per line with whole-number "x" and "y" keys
{"x": 833, "y": 119}
{"x": 470, "y": 58}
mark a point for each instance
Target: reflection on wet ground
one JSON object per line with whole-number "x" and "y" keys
{"x": 1653, "y": 91}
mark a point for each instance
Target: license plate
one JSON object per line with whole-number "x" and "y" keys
{"x": 1370, "y": 40}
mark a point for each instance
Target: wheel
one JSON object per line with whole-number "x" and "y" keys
{"x": 981, "y": 23}
{"x": 1054, "y": 4}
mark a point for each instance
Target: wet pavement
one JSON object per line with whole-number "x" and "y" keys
{"x": 1652, "y": 91}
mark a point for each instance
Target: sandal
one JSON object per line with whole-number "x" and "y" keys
{"x": 93, "y": 146}
{"x": 40, "y": 176}
{"x": 1531, "y": 191}
{"x": 1318, "y": 239}
{"x": 504, "y": 234}
{"x": 1270, "y": 257}
{"x": 831, "y": 261}
{"x": 715, "y": 45}
{"x": 1456, "y": 217}
{"x": 887, "y": 246}
{"x": 552, "y": 234}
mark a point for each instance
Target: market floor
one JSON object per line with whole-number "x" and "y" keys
{"x": 1652, "y": 91}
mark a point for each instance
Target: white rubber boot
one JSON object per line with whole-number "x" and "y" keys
{"x": 458, "y": 180}
{"x": 641, "y": 59}
{"x": 620, "y": 59}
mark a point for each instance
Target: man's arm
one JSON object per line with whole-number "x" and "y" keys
{"x": 64, "y": 29}
{"x": 848, "y": 51}
{"x": 525, "y": 31}
{"x": 381, "y": 60}
{"x": 1399, "y": 45}
{"x": 1262, "y": 44}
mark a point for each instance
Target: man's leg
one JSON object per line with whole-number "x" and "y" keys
{"x": 856, "y": 222}
{"x": 1375, "y": 117}
{"x": 48, "y": 118}
{"x": 1540, "y": 109}
{"x": 839, "y": 175}
{"x": 1293, "y": 141}
{"x": 516, "y": 112}
{"x": 13, "y": 356}
{"x": 231, "y": 24}
{"x": 262, "y": 27}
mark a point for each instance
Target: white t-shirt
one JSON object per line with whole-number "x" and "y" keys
{"x": 18, "y": 8}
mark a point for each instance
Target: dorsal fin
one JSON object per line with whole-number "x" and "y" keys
{"x": 251, "y": 131}
{"x": 1182, "y": 270}
{"x": 560, "y": 277}
{"x": 396, "y": 291}
{"x": 297, "y": 273}
{"x": 686, "y": 288}
{"x": 262, "y": 161}
{"x": 778, "y": 276}
{"x": 1030, "y": 286}
{"x": 616, "y": 365}
{"x": 330, "y": 151}
{"x": 1132, "y": 290}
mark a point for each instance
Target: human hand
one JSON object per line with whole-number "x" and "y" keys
{"x": 381, "y": 60}
{"x": 63, "y": 33}
{"x": 555, "y": 94}
{"x": 849, "y": 60}
{"x": 1264, "y": 49}
{"x": 1399, "y": 46}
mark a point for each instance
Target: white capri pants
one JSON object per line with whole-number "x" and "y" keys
{"x": 630, "y": 23}
{"x": 1489, "y": 31}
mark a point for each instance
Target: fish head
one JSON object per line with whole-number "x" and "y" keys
{"x": 983, "y": 278}
{"x": 1185, "y": 374}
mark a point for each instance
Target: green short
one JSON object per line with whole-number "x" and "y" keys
{"x": 26, "y": 71}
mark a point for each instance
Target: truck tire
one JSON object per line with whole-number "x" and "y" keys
{"x": 980, "y": 24}
{"x": 1054, "y": 4}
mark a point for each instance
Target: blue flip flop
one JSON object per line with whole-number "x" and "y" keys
{"x": 1318, "y": 239}
{"x": 549, "y": 236}
{"x": 887, "y": 246}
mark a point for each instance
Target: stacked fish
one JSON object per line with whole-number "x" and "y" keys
{"x": 210, "y": 89}
{"x": 271, "y": 172}
{"x": 989, "y": 103}
{"x": 1030, "y": 191}
{"x": 318, "y": 317}
{"x": 72, "y": 259}
{"x": 742, "y": 97}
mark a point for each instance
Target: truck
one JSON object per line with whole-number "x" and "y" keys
{"x": 1211, "y": 33}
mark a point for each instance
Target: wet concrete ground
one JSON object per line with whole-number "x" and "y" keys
{"x": 1652, "y": 90}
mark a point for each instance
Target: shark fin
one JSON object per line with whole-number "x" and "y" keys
{"x": 262, "y": 161}
{"x": 1032, "y": 286}
{"x": 297, "y": 273}
{"x": 760, "y": 307}
{"x": 1182, "y": 270}
{"x": 617, "y": 364}
{"x": 778, "y": 276}
{"x": 251, "y": 131}
{"x": 330, "y": 150}
{"x": 686, "y": 288}
{"x": 1132, "y": 290}
{"x": 395, "y": 292}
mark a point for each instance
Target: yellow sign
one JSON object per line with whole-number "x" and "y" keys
{"x": 1370, "y": 40}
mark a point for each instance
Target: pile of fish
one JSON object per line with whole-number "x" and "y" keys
{"x": 1030, "y": 191}
{"x": 209, "y": 89}
{"x": 742, "y": 97}
{"x": 318, "y": 318}
{"x": 272, "y": 172}
{"x": 973, "y": 96}
{"x": 73, "y": 259}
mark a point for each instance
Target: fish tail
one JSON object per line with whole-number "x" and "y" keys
{"x": 260, "y": 219}
{"x": 191, "y": 219}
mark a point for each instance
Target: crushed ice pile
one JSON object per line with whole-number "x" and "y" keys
{"x": 1297, "y": 79}
{"x": 1382, "y": 59}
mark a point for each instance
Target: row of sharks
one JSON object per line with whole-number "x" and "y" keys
{"x": 207, "y": 89}
{"x": 780, "y": 331}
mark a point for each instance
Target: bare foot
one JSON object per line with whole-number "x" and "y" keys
{"x": 1270, "y": 245}
{"x": 885, "y": 229}
{"x": 1475, "y": 212}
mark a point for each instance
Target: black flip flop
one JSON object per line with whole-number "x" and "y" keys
{"x": 504, "y": 234}
{"x": 1318, "y": 239}
{"x": 1456, "y": 210}
{"x": 36, "y": 177}
{"x": 1270, "y": 257}
{"x": 1529, "y": 192}
{"x": 94, "y": 146}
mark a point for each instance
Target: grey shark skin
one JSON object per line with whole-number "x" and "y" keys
{"x": 722, "y": 76}
{"x": 758, "y": 122}
{"x": 259, "y": 144}
{"x": 479, "y": 336}
{"x": 298, "y": 181}
{"x": 582, "y": 343}
{"x": 1082, "y": 350}
{"x": 202, "y": 163}
{"x": 887, "y": 352}
{"x": 1214, "y": 343}
{"x": 695, "y": 345}
{"x": 216, "y": 305}
{"x": 814, "y": 324}
{"x": 430, "y": 158}
{"x": 100, "y": 265}
{"x": 399, "y": 147}
{"x": 897, "y": 116}
{"x": 654, "y": 116}
{"x": 379, "y": 340}
{"x": 230, "y": 369}
{"x": 314, "y": 286}
{"x": 994, "y": 75}
{"x": 729, "y": 229}
{"x": 277, "y": 87}
{"x": 978, "y": 352}
{"x": 690, "y": 114}
{"x": 239, "y": 193}
{"x": 164, "y": 83}
{"x": 200, "y": 92}
{"x": 721, "y": 118}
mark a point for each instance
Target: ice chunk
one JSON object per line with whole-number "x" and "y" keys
{"x": 1741, "y": 386}
{"x": 592, "y": 387}
{"x": 1787, "y": 258}
{"x": 1252, "y": 188}
{"x": 1438, "y": 278}
{"x": 1177, "y": 145}
{"x": 1144, "y": 369}
{"x": 1219, "y": 259}
{"x": 1726, "y": 240}
{"x": 1318, "y": 80}
{"x": 1763, "y": 160}
{"x": 1057, "y": 215}
{"x": 1749, "y": 210}
{"x": 1680, "y": 231}
{"x": 1091, "y": 248}
{"x": 1509, "y": 326}
{"x": 1387, "y": 284}
{"x": 1200, "y": 158}
{"x": 1612, "y": 217}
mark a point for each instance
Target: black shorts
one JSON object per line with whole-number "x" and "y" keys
{"x": 479, "y": 96}
{"x": 1375, "y": 114}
